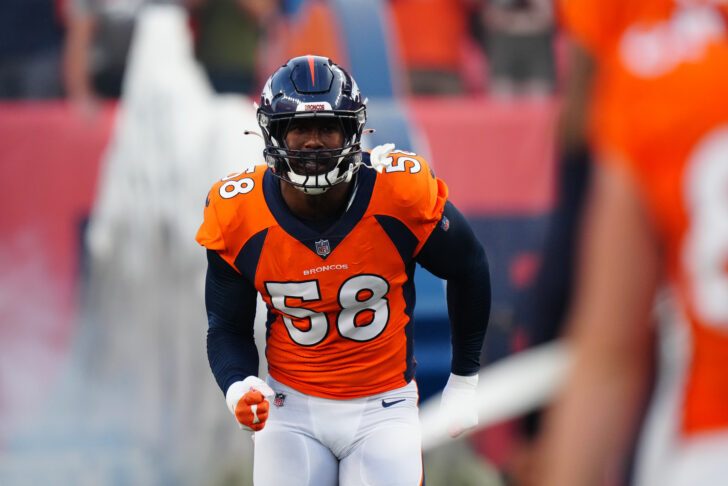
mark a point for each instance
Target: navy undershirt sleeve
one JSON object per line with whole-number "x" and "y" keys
{"x": 230, "y": 299}
{"x": 453, "y": 253}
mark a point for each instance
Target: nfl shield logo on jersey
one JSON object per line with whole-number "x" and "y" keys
{"x": 323, "y": 248}
{"x": 445, "y": 223}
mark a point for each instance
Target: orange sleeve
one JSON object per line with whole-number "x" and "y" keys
{"x": 210, "y": 234}
{"x": 430, "y": 211}
{"x": 224, "y": 227}
{"x": 411, "y": 193}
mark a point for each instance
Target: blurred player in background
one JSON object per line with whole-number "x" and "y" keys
{"x": 331, "y": 245}
{"x": 545, "y": 304}
{"x": 657, "y": 214}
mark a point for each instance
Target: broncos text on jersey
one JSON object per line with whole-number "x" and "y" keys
{"x": 340, "y": 301}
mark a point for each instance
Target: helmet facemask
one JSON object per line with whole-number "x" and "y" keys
{"x": 314, "y": 171}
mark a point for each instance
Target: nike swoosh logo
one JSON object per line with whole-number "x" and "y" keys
{"x": 386, "y": 404}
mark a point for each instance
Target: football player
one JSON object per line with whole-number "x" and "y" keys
{"x": 329, "y": 235}
{"x": 657, "y": 216}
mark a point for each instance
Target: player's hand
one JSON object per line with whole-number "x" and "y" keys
{"x": 458, "y": 404}
{"x": 248, "y": 402}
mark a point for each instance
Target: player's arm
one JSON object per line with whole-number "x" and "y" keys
{"x": 453, "y": 253}
{"x": 588, "y": 429}
{"x": 230, "y": 300}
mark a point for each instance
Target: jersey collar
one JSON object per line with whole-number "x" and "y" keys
{"x": 332, "y": 236}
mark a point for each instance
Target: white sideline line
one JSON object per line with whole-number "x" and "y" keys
{"x": 506, "y": 389}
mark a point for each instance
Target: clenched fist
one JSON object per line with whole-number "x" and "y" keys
{"x": 248, "y": 401}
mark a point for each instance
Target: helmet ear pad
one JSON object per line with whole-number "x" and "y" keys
{"x": 310, "y": 87}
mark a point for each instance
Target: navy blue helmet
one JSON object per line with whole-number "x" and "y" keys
{"x": 308, "y": 87}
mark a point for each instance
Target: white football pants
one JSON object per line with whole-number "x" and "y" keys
{"x": 312, "y": 441}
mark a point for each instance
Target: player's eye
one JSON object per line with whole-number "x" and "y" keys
{"x": 330, "y": 128}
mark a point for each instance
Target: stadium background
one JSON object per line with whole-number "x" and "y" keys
{"x": 103, "y": 377}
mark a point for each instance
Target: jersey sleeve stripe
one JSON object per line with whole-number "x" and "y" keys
{"x": 404, "y": 240}
{"x": 247, "y": 259}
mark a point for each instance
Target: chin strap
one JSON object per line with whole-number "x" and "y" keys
{"x": 349, "y": 174}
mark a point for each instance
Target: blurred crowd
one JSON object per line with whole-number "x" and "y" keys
{"x": 78, "y": 49}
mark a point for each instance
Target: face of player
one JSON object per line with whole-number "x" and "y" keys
{"x": 314, "y": 134}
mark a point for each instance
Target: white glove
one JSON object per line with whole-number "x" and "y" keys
{"x": 458, "y": 404}
{"x": 248, "y": 402}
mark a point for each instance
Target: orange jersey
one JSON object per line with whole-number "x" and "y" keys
{"x": 663, "y": 109}
{"x": 645, "y": 36}
{"x": 340, "y": 301}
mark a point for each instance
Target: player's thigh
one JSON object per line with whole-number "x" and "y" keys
{"x": 391, "y": 457}
{"x": 700, "y": 461}
{"x": 285, "y": 453}
{"x": 389, "y": 452}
